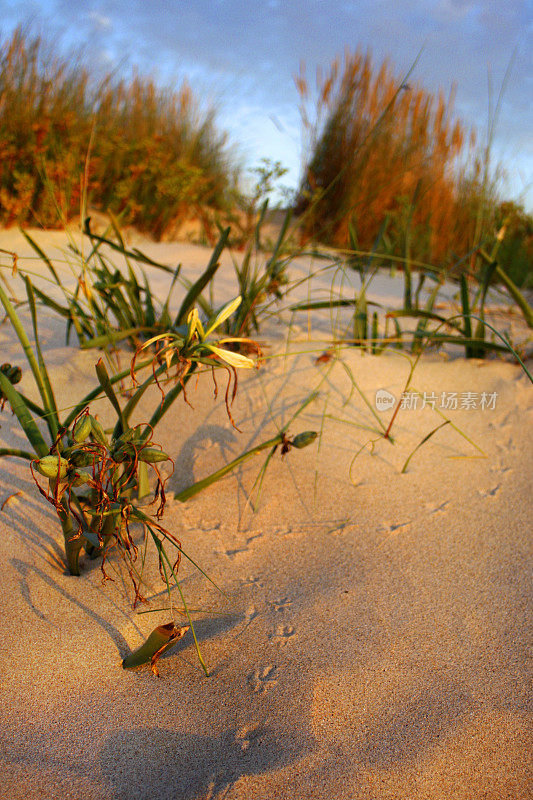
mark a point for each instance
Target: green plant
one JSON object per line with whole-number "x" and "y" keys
{"x": 370, "y": 329}
{"x": 111, "y": 305}
{"x": 108, "y": 306}
{"x": 261, "y": 280}
{"x": 98, "y": 481}
{"x": 77, "y": 442}
{"x": 515, "y": 255}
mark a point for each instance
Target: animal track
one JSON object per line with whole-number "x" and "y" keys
{"x": 254, "y": 536}
{"x": 285, "y": 531}
{"x": 281, "y": 605}
{"x": 206, "y": 525}
{"x": 263, "y": 678}
{"x": 341, "y": 528}
{"x": 232, "y": 552}
{"x": 500, "y": 467}
{"x": 490, "y": 492}
{"x": 251, "y": 613}
{"x": 437, "y": 509}
{"x": 282, "y": 634}
{"x": 396, "y": 526}
{"x": 247, "y": 736}
{"x": 252, "y": 580}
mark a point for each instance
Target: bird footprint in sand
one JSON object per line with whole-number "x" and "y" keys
{"x": 282, "y": 634}
{"x": 247, "y": 735}
{"x": 437, "y": 509}
{"x": 263, "y": 678}
{"x": 281, "y": 605}
{"x": 250, "y": 613}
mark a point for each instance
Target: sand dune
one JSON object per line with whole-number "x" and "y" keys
{"x": 372, "y": 638}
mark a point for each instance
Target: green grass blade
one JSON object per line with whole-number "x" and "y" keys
{"x": 15, "y": 452}
{"x": 418, "y": 313}
{"x": 375, "y": 333}
{"x": 145, "y": 519}
{"x": 42, "y": 255}
{"x": 95, "y": 393}
{"x": 462, "y": 341}
{"x": 316, "y": 305}
{"x": 105, "y": 383}
{"x": 26, "y": 346}
{"x": 130, "y": 406}
{"x": 163, "y": 554}
{"x": 279, "y": 242}
{"x": 167, "y": 402}
{"x": 362, "y": 395}
{"x": 143, "y": 488}
{"x": 149, "y": 310}
{"x": 424, "y": 440}
{"x": 257, "y": 232}
{"x": 197, "y": 487}
{"x": 465, "y": 303}
{"x": 517, "y": 296}
{"x": 112, "y": 338}
{"x": 164, "y": 313}
{"x": 52, "y": 418}
{"x": 198, "y": 287}
{"x": 508, "y": 347}
{"x": 47, "y": 301}
{"x": 23, "y": 415}
{"x": 134, "y": 253}
{"x": 360, "y": 320}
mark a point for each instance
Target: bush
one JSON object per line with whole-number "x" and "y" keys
{"x": 380, "y": 149}
{"x": 516, "y": 250}
{"x": 151, "y": 155}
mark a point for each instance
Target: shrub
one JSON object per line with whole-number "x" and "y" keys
{"x": 382, "y": 149}
{"x": 153, "y": 156}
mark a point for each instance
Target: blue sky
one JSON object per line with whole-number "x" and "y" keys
{"x": 244, "y": 54}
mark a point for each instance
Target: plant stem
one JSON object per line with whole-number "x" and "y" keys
{"x": 73, "y": 542}
{"x": 215, "y": 476}
{"x": 517, "y": 296}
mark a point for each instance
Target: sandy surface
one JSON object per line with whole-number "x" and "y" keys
{"x": 374, "y": 635}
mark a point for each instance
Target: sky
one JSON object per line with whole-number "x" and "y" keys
{"x": 243, "y": 55}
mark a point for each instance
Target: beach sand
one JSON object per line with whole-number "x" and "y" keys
{"x": 373, "y": 637}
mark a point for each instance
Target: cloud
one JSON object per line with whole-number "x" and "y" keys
{"x": 99, "y": 21}
{"x": 247, "y": 53}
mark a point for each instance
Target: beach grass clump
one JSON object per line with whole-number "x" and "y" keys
{"x": 153, "y": 156}
{"x": 383, "y": 149}
{"x": 75, "y": 451}
{"x": 373, "y": 325}
{"x": 104, "y": 483}
{"x": 516, "y": 250}
{"x": 109, "y": 304}
{"x": 98, "y": 480}
{"x": 112, "y": 304}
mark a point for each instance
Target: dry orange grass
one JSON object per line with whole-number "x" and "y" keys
{"x": 155, "y": 155}
{"x": 379, "y": 147}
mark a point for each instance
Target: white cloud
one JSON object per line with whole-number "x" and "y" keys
{"x": 99, "y": 21}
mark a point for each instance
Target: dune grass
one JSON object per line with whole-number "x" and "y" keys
{"x": 152, "y": 156}
{"x": 96, "y": 479}
{"x": 381, "y": 148}
{"x": 380, "y": 184}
